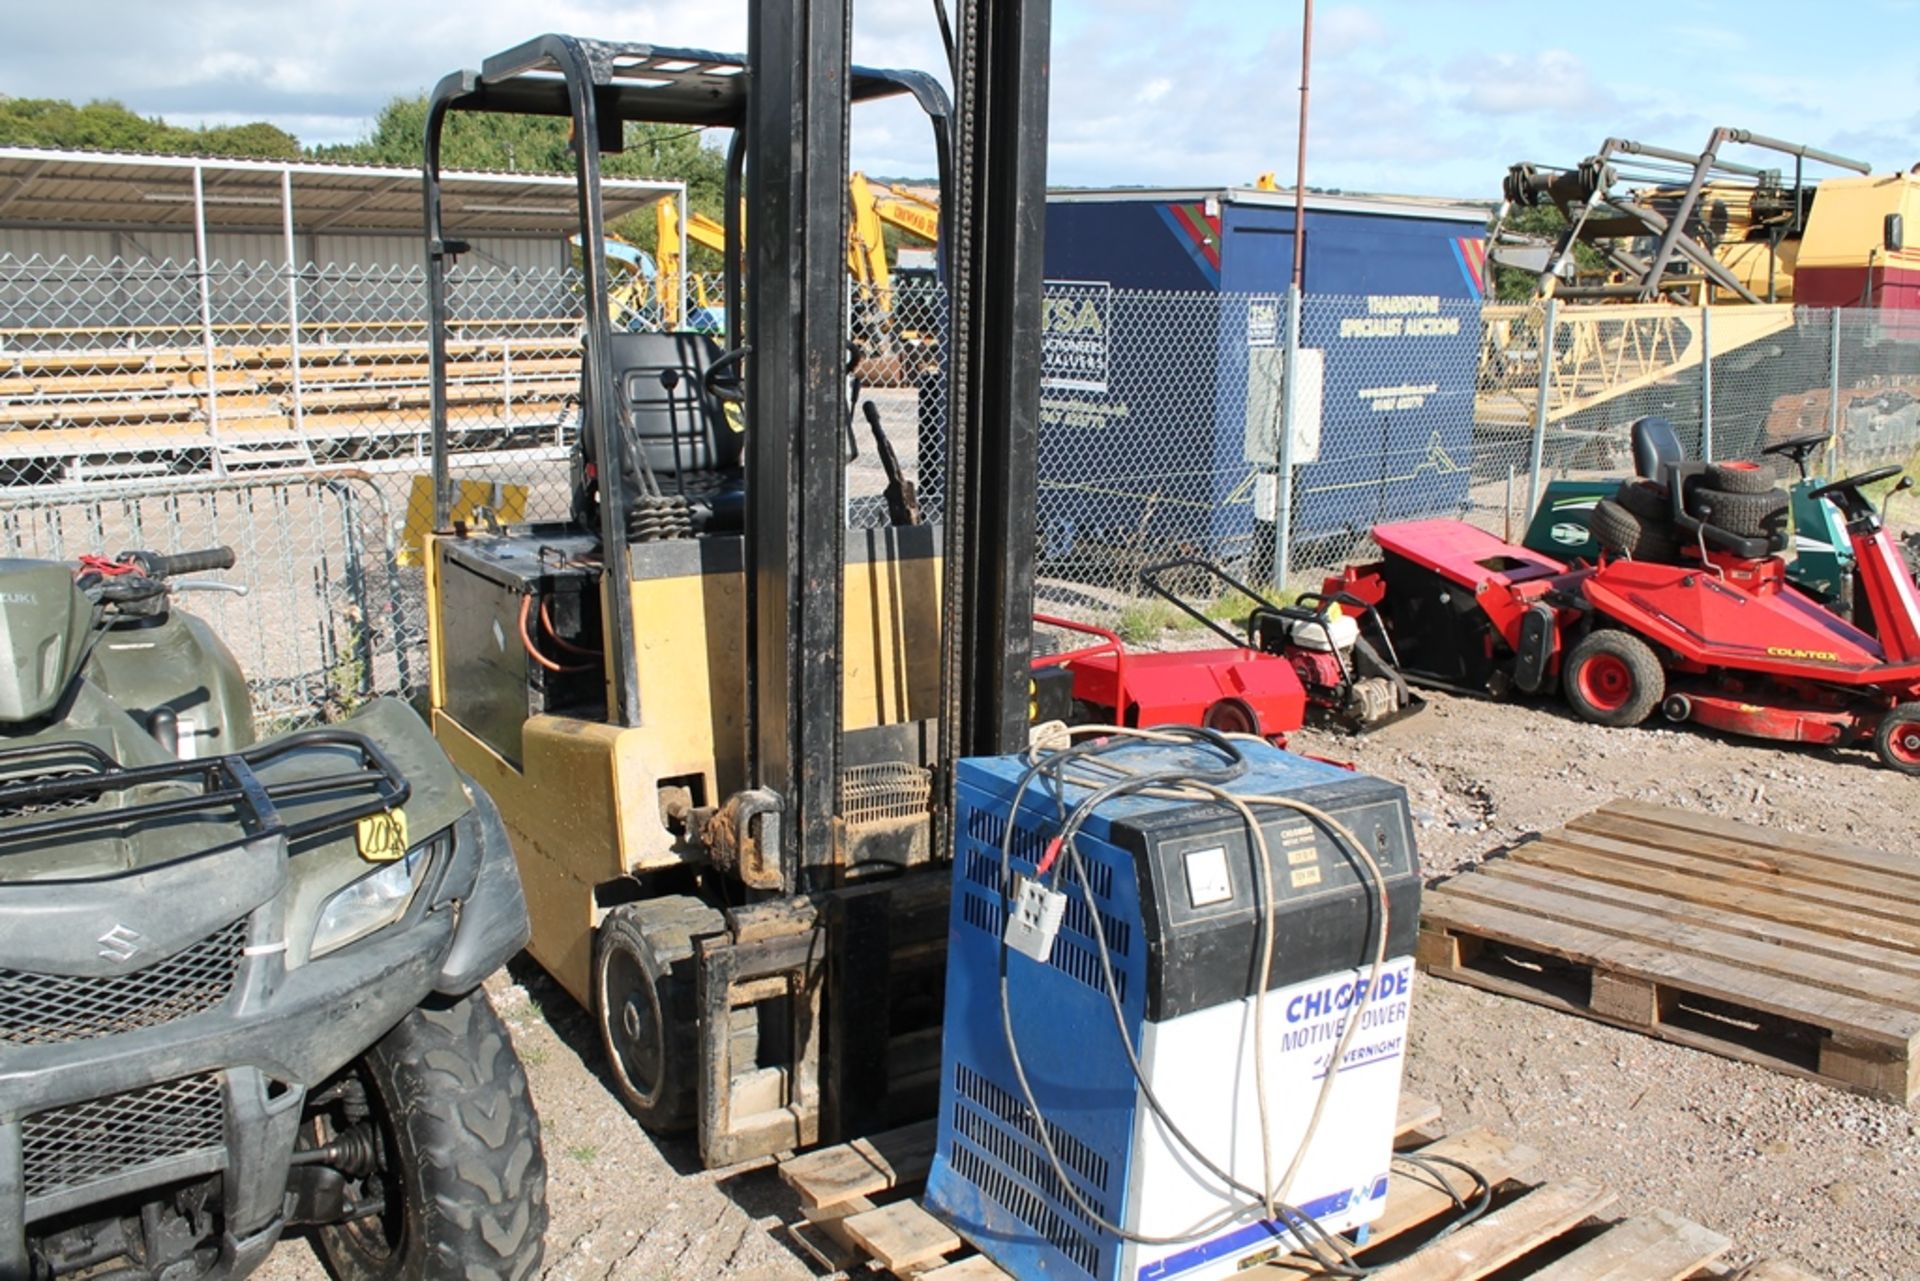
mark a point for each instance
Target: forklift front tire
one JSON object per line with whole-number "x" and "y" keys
{"x": 643, "y": 990}
{"x": 1898, "y": 739}
{"x": 1613, "y": 678}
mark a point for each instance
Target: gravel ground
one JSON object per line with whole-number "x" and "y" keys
{"x": 1783, "y": 1166}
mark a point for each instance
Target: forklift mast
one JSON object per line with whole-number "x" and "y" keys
{"x": 760, "y": 939}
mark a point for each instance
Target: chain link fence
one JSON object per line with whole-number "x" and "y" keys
{"x": 149, "y": 403}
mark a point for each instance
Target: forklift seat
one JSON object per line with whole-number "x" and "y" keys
{"x": 673, "y": 426}
{"x": 678, "y": 427}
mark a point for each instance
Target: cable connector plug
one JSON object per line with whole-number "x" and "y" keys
{"x": 1035, "y": 919}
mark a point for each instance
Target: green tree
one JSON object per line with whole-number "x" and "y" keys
{"x": 539, "y": 144}
{"x": 106, "y": 125}
{"x": 1544, "y": 222}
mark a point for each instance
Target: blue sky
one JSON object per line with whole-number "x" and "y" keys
{"x": 1428, "y": 98}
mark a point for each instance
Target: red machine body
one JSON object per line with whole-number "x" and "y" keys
{"x": 1235, "y": 690}
{"x": 1718, "y": 638}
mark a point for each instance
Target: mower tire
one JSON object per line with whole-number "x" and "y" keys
{"x": 1646, "y": 500}
{"x": 643, "y": 996}
{"x": 1740, "y": 478}
{"x": 1761, "y": 515}
{"x": 1625, "y": 534}
{"x": 1897, "y": 741}
{"x": 1613, "y": 678}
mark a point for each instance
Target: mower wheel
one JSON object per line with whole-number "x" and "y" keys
{"x": 1898, "y": 739}
{"x": 1740, "y": 477}
{"x": 1745, "y": 515}
{"x": 1625, "y": 534}
{"x": 1613, "y": 678}
{"x": 1646, "y": 500}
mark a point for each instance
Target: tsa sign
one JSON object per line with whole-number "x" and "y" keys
{"x": 1075, "y": 336}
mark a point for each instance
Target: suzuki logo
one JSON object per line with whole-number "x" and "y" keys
{"x": 119, "y": 943}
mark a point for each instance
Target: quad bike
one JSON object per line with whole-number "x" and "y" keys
{"x": 240, "y": 980}
{"x": 1292, "y": 662}
{"x": 1712, "y": 633}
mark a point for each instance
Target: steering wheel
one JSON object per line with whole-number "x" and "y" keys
{"x": 722, "y": 379}
{"x": 1797, "y": 448}
{"x": 1857, "y": 481}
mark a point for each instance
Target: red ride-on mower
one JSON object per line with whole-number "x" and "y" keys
{"x": 1715, "y": 635}
{"x": 1308, "y": 657}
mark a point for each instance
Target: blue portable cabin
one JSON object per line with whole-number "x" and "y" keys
{"x": 1152, "y": 441}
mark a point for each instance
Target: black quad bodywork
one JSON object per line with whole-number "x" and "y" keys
{"x": 178, "y": 995}
{"x": 770, "y": 894}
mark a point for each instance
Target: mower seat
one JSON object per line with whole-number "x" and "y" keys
{"x": 1656, "y": 447}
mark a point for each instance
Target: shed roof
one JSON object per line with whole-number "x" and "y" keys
{"x": 43, "y": 187}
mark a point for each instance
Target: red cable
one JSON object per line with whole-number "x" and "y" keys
{"x": 526, "y": 641}
{"x": 546, "y": 625}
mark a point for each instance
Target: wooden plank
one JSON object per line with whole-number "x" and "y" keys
{"x": 1415, "y": 1114}
{"x": 1413, "y": 1197}
{"x": 1839, "y": 852}
{"x": 1730, "y": 921}
{"x": 862, "y": 1167}
{"x": 901, "y": 1235}
{"x": 1716, "y": 874}
{"x": 1688, "y": 938}
{"x": 1862, "y": 1021}
{"x": 975, "y": 1267}
{"x": 1841, "y": 920}
{"x": 1489, "y": 1244}
{"x": 1900, "y": 883}
{"x": 1660, "y": 1246}
{"x": 831, "y": 1253}
{"x": 1669, "y": 1032}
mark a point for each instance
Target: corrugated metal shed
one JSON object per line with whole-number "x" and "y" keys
{"x": 67, "y": 190}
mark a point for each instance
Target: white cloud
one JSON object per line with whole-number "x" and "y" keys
{"x": 1551, "y": 81}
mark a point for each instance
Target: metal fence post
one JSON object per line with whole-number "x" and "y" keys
{"x": 293, "y": 302}
{"x": 206, "y": 319}
{"x": 1706, "y": 383}
{"x": 1549, "y": 318}
{"x": 1833, "y": 391}
{"x": 1283, "y": 481}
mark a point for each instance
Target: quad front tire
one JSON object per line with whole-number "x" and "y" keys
{"x": 1613, "y": 678}
{"x": 459, "y": 1179}
{"x": 643, "y": 995}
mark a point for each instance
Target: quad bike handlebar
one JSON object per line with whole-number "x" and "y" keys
{"x": 155, "y": 565}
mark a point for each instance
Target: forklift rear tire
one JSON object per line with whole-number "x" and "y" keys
{"x": 643, "y": 993}
{"x": 1613, "y": 678}
{"x": 1898, "y": 739}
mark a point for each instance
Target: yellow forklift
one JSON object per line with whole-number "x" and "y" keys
{"x": 717, "y": 720}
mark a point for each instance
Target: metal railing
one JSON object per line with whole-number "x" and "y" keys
{"x": 290, "y": 418}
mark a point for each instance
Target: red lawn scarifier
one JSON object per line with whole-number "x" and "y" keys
{"x": 1294, "y": 660}
{"x": 1714, "y": 635}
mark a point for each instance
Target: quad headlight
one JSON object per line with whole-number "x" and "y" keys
{"x": 375, "y": 900}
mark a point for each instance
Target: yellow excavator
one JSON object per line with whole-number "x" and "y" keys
{"x": 873, "y": 206}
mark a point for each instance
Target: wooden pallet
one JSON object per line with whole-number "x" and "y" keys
{"x": 862, "y": 1216}
{"x": 1795, "y": 952}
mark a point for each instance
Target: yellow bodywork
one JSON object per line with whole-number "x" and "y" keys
{"x": 1848, "y": 214}
{"x": 583, "y": 806}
